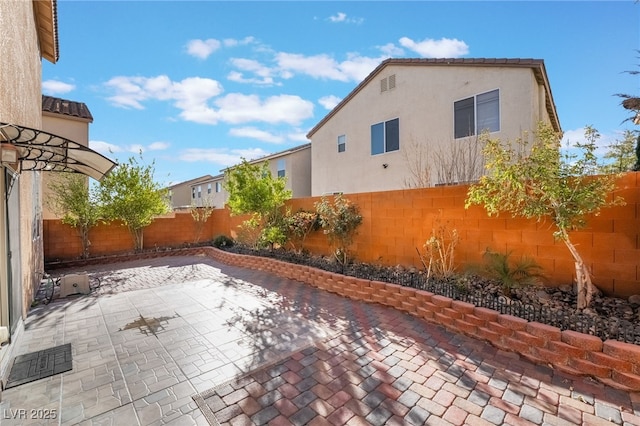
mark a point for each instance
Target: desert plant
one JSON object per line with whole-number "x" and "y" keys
{"x": 540, "y": 182}
{"x": 249, "y": 232}
{"x": 300, "y": 225}
{"x": 222, "y": 241}
{"x": 511, "y": 273}
{"x": 438, "y": 259}
{"x": 339, "y": 220}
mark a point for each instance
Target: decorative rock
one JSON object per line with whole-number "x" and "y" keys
{"x": 566, "y": 288}
{"x": 634, "y": 299}
{"x": 543, "y": 295}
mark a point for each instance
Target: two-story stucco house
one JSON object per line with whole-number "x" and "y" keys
{"x": 180, "y": 194}
{"x": 365, "y": 143}
{"x": 294, "y": 164}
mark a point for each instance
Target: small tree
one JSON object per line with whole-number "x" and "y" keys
{"x": 621, "y": 155}
{"x": 540, "y": 182}
{"x": 76, "y": 203}
{"x": 130, "y": 194}
{"x": 301, "y": 224}
{"x": 253, "y": 190}
{"x": 200, "y": 216}
{"x": 339, "y": 220}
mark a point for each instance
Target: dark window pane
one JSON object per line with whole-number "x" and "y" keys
{"x": 463, "y": 117}
{"x": 392, "y": 133}
{"x": 488, "y": 111}
{"x": 377, "y": 138}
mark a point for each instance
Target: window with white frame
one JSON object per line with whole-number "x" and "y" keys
{"x": 477, "y": 114}
{"x": 193, "y": 192}
{"x": 281, "y": 168}
{"x": 342, "y": 143}
{"x": 385, "y": 136}
{"x": 208, "y": 188}
{"x": 199, "y": 191}
{"x": 218, "y": 186}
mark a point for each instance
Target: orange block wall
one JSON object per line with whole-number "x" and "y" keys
{"x": 395, "y": 223}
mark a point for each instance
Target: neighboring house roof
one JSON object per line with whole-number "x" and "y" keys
{"x": 192, "y": 181}
{"x": 281, "y": 153}
{"x": 537, "y": 65}
{"x": 66, "y": 107}
{"x": 276, "y": 155}
{"x": 46, "y": 15}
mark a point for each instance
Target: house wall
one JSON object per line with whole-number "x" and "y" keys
{"x": 180, "y": 196}
{"x": 396, "y": 223}
{"x": 71, "y": 128}
{"x": 20, "y": 103}
{"x": 423, "y": 101}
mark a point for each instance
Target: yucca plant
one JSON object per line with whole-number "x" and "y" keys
{"x": 522, "y": 272}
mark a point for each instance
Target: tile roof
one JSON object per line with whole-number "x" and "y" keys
{"x": 66, "y": 107}
{"x": 537, "y": 65}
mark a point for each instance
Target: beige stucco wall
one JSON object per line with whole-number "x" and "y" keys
{"x": 297, "y": 166}
{"x": 423, "y": 101}
{"x": 20, "y": 103}
{"x": 72, "y": 128}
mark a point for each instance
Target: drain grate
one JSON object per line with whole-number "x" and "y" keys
{"x": 38, "y": 365}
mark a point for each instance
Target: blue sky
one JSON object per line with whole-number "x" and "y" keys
{"x": 197, "y": 85}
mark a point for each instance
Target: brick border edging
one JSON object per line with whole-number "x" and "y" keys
{"x": 612, "y": 362}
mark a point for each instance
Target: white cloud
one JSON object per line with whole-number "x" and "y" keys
{"x": 571, "y": 138}
{"x": 107, "y": 148}
{"x": 443, "y": 48}
{"x": 104, "y": 148}
{"x": 191, "y": 92}
{"x": 264, "y": 73}
{"x": 230, "y": 42}
{"x": 298, "y": 136}
{"x": 255, "y": 133}
{"x": 324, "y": 67}
{"x": 55, "y": 87}
{"x": 341, "y": 17}
{"x": 237, "y": 108}
{"x": 329, "y": 102}
{"x": 192, "y": 96}
{"x": 391, "y": 50}
{"x": 158, "y": 146}
{"x": 223, "y": 156}
{"x": 202, "y": 48}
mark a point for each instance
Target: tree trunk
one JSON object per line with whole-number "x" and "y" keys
{"x": 585, "y": 287}
{"x": 137, "y": 239}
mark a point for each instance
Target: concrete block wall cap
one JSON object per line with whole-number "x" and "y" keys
{"x": 486, "y": 314}
{"x": 512, "y": 322}
{"x": 545, "y": 331}
{"x": 464, "y": 307}
{"x": 441, "y": 301}
{"x": 624, "y": 351}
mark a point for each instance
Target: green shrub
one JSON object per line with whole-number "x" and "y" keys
{"x": 339, "y": 220}
{"x": 222, "y": 241}
{"x": 512, "y": 274}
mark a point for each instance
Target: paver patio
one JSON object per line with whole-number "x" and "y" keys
{"x": 187, "y": 340}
